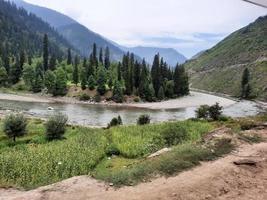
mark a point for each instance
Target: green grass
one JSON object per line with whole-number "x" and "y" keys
{"x": 32, "y": 161}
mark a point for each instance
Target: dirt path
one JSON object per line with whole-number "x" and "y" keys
{"x": 219, "y": 180}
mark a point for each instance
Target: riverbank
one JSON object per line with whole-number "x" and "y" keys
{"x": 195, "y": 99}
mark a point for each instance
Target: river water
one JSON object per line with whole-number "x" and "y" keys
{"x": 100, "y": 115}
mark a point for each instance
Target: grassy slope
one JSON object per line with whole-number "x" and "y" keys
{"x": 33, "y": 161}
{"x": 220, "y": 68}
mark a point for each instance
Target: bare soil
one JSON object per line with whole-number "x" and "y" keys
{"x": 220, "y": 180}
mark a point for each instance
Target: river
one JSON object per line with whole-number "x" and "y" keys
{"x": 100, "y": 115}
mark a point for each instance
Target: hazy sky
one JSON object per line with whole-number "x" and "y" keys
{"x": 186, "y": 25}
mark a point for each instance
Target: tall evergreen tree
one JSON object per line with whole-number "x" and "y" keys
{"x": 75, "y": 73}
{"x": 137, "y": 74}
{"x": 101, "y": 81}
{"x": 245, "y": 85}
{"x": 45, "y": 52}
{"x": 155, "y": 74}
{"x": 119, "y": 72}
{"x": 181, "y": 83}
{"x": 107, "y": 58}
{"x": 69, "y": 59}
{"x": 94, "y": 59}
{"x": 60, "y": 88}
{"x": 52, "y": 62}
{"x": 101, "y": 56}
{"x": 22, "y": 59}
{"x": 83, "y": 79}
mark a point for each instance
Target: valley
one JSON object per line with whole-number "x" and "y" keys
{"x": 98, "y": 100}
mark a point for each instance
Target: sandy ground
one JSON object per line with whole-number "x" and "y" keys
{"x": 193, "y": 100}
{"x": 218, "y": 180}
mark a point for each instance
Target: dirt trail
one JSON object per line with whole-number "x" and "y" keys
{"x": 219, "y": 180}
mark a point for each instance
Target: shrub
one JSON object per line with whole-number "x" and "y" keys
{"x": 202, "y": 112}
{"x": 56, "y": 126}
{"x": 116, "y": 121}
{"x": 137, "y": 99}
{"x": 112, "y": 150}
{"x": 84, "y": 97}
{"x": 247, "y": 124}
{"x": 174, "y": 134}
{"x": 97, "y": 98}
{"x": 15, "y": 126}
{"x": 117, "y": 93}
{"x": 215, "y": 111}
{"x": 143, "y": 119}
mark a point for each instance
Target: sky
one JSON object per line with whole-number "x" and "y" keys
{"x": 189, "y": 26}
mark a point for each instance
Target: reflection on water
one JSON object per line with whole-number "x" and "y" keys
{"x": 100, "y": 115}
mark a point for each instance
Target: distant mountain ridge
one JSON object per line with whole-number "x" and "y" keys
{"x": 82, "y": 38}
{"x": 220, "y": 68}
{"x": 78, "y": 35}
{"x": 171, "y": 56}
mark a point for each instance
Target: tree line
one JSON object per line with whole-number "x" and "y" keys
{"x": 130, "y": 76}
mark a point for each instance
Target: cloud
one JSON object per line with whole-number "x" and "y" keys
{"x": 185, "y": 25}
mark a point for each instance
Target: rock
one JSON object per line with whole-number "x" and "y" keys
{"x": 246, "y": 162}
{"x": 50, "y": 108}
{"x": 158, "y": 153}
{"x": 111, "y": 184}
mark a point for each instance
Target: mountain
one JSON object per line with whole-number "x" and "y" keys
{"x": 22, "y": 31}
{"x": 78, "y": 35}
{"x": 171, "y": 56}
{"x": 197, "y": 55}
{"x": 220, "y": 68}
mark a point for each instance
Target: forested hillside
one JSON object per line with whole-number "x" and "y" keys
{"x": 220, "y": 68}
{"x": 20, "y": 31}
{"x": 76, "y": 34}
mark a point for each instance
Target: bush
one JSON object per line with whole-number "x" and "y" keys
{"x": 56, "y": 126}
{"x": 215, "y": 111}
{"x": 137, "y": 99}
{"x": 143, "y": 119}
{"x": 84, "y": 97}
{"x": 15, "y": 126}
{"x": 97, "y": 98}
{"x": 247, "y": 124}
{"x": 202, "y": 112}
{"x": 112, "y": 150}
{"x": 174, "y": 135}
{"x": 116, "y": 121}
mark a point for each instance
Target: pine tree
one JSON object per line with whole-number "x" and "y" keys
{"x": 245, "y": 85}
{"x": 107, "y": 58}
{"x": 91, "y": 83}
{"x": 144, "y": 81}
{"x": 101, "y": 56}
{"x": 50, "y": 81}
{"x": 117, "y": 93}
{"x": 101, "y": 81}
{"x": 94, "y": 56}
{"x": 69, "y": 59}
{"x": 161, "y": 94}
{"x": 136, "y": 74}
{"x": 15, "y": 72}
{"x": 29, "y": 59}
{"x": 181, "y": 83}
{"x": 52, "y": 62}
{"x": 60, "y": 88}
{"x": 83, "y": 79}
{"x": 3, "y": 77}
{"x": 75, "y": 73}
{"x": 119, "y": 71}
{"x": 38, "y": 83}
{"x": 29, "y": 75}
{"x": 45, "y": 52}
{"x": 155, "y": 74}
{"x": 22, "y": 60}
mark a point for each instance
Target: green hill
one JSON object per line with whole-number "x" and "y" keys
{"x": 21, "y": 31}
{"x": 220, "y": 68}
